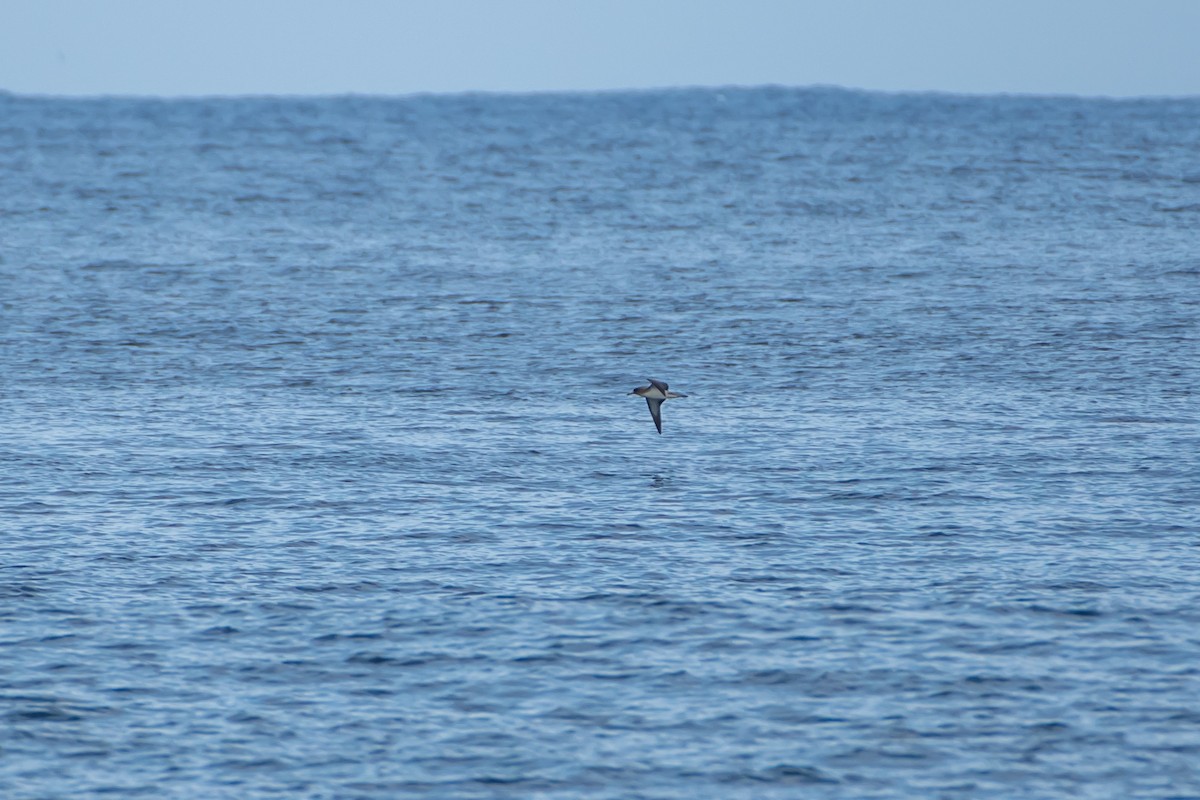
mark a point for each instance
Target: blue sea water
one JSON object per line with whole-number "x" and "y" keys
{"x": 318, "y": 477}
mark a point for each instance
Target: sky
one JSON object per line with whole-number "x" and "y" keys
{"x": 1116, "y": 48}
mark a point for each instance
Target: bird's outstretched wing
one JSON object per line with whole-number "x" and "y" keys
{"x": 662, "y": 387}
{"x": 655, "y": 411}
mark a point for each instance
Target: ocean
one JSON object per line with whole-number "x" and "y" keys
{"x": 319, "y": 477}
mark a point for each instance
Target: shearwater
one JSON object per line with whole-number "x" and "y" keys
{"x": 656, "y": 393}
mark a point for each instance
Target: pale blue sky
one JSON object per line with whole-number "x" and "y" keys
{"x": 178, "y": 47}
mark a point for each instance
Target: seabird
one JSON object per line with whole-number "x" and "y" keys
{"x": 655, "y": 394}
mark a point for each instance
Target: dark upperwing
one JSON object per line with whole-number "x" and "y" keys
{"x": 655, "y": 411}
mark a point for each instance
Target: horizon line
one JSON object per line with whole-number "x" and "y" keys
{"x": 733, "y": 87}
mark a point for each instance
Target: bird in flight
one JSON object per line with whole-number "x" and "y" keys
{"x": 656, "y": 393}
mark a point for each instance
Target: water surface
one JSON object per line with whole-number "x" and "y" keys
{"x": 318, "y": 476}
